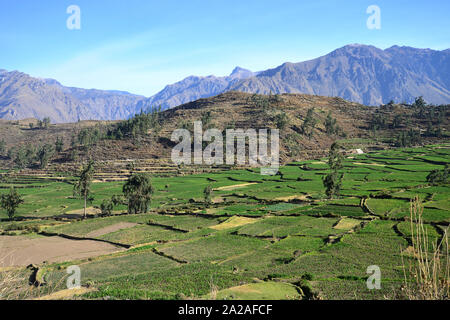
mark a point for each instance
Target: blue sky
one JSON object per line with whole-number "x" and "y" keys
{"x": 142, "y": 45}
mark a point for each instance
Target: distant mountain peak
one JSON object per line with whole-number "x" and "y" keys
{"x": 241, "y": 73}
{"x": 357, "y": 49}
{"x": 239, "y": 69}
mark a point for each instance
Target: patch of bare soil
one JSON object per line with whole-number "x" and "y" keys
{"x": 80, "y": 212}
{"x": 22, "y": 251}
{"x": 346, "y": 224}
{"x": 370, "y": 164}
{"x": 109, "y": 229}
{"x": 235, "y": 186}
{"x": 66, "y": 294}
{"x": 218, "y": 200}
{"x": 234, "y": 222}
{"x": 303, "y": 197}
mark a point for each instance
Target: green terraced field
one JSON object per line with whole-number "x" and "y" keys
{"x": 283, "y": 235}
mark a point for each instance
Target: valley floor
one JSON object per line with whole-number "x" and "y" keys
{"x": 264, "y": 237}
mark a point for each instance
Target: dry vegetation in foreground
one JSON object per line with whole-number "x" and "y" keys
{"x": 429, "y": 273}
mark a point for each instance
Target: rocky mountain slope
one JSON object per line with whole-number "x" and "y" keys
{"x": 22, "y": 96}
{"x": 363, "y": 74}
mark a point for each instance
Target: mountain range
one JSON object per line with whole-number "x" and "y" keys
{"x": 22, "y": 96}
{"x": 359, "y": 73}
{"x": 363, "y": 74}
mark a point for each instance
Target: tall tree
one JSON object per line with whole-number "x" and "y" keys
{"x": 2, "y": 147}
{"x": 331, "y": 126}
{"x": 207, "y": 192}
{"x": 83, "y": 187}
{"x": 21, "y": 160}
{"x": 335, "y": 157}
{"x": 46, "y": 122}
{"x": 420, "y": 104}
{"x": 44, "y": 154}
{"x": 138, "y": 191}
{"x": 10, "y": 202}
{"x": 333, "y": 181}
{"x": 59, "y": 144}
{"x": 309, "y": 124}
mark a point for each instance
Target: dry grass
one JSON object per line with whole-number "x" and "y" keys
{"x": 213, "y": 290}
{"x": 11, "y": 284}
{"x": 15, "y": 284}
{"x": 428, "y": 274}
{"x": 234, "y": 222}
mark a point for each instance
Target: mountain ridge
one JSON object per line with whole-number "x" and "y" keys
{"x": 355, "y": 72}
{"x": 363, "y": 74}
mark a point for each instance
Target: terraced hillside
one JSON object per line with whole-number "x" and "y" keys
{"x": 369, "y": 128}
{"x": 263, "y": 237}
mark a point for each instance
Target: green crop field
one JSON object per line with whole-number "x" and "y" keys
{"x": 262, "y": 237}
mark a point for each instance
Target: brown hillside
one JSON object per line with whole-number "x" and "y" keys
{"x": 231, "y": 109}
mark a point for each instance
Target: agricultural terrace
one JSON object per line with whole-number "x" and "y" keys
{"x": 262, "y": 237}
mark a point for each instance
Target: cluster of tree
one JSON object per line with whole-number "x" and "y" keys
{"x": 309, "y": 124}
{"x": 333, "y": 181}
{"x": 281, "y": 120}
{"x": 433, "y": 130}
{"x": 137, "y": 126}
{"x": 27, "y": 155}
{"x": 42, "y": 124}
{"x": 436, "y": 176}
{"x": 433, "y": 114}
{"x": 259, "y": 102}
{"x": 409, "y": 138}
{"x": 381, "y": 121}
{"x": 137, "y": 192}
{"x": 378, "y": 122}
{"x": 87, "y": 137}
